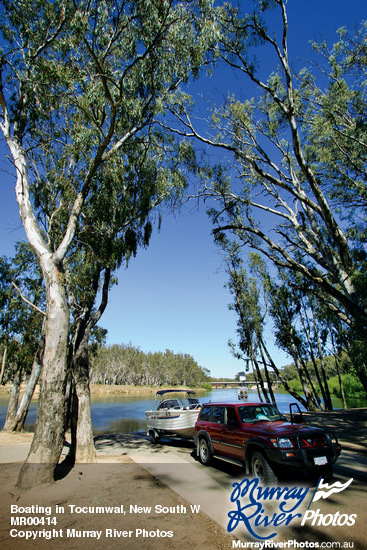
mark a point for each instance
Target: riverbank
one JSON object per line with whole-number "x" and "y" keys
{"x": 135, "y": 390}
{"x": 106, "y": 389}
{"x": 154, "y": 516}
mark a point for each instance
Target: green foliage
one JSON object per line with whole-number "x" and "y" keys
{"x": 295, "y": 384}
{"x": 126, "y": 364}
{"x": 82, "y": 87}
{"x": 20, "y": 323}
{"x": 246, "y": 300}
{"x": 351, "y": 384}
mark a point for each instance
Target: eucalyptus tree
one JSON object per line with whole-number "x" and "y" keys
{"x": 315, "y": 337}
{"x": 126, "y": 364}
{"x": 21, "y": 308}
{"x": 6, "y": 291}
{"x": 284, "y": 312}
{"x": 250, "y": 317}
{"x": 81, "y": 85}
{"x": 21, "y": 321}
{"x": 293, "y": 307}
{"x": 255, "y": 301}
{"x": 114, "y": 225}
{"x": 86, "y": 315}
{"x": 301, "y": 324}
{"x": 297, "y": 193}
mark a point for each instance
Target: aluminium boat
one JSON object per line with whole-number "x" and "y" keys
{"x": 175, "y": 415}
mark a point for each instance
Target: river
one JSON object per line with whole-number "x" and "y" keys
{"x": 126, "y": 414}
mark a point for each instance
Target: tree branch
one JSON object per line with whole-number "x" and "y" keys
{"x": 27, "y": 301}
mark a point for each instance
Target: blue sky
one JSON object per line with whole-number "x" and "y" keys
{"x": 172, "y": 295}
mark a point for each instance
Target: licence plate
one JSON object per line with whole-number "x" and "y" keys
{"x": 320, "y": 460}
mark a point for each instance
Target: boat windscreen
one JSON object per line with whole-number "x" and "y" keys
{"x": 162, "y": 392}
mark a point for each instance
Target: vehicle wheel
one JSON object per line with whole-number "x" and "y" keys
{"x": 204, "y": 452}
{"x": 154, "y": 437}
{"x": 261, "y": 469}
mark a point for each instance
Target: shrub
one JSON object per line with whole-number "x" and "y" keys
{"x": 351, "y": 384}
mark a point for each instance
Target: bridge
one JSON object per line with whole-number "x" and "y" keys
{"x": 234, "y": 384}
{"x": 224, "y": 384}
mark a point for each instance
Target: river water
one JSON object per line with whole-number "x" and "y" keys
{"x": 126, "y": 414}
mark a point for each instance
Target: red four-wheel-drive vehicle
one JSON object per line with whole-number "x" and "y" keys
{"x": 259, "y": 437}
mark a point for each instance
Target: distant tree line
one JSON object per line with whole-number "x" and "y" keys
{"x": 127, "y": 364}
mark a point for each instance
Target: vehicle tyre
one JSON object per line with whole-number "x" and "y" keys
{"x": 154, "y": 436}
{"x": 205, "y": 454}
{"x": 261, "y": 469}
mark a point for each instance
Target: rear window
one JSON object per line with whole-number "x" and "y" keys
{"x": 205, "y": 413}
{"x": 218, "y": 415}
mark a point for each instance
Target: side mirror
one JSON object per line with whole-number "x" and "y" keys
{"x": 296, "y": 414}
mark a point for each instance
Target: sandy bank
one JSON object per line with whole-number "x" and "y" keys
{"x": 103, "y": 389}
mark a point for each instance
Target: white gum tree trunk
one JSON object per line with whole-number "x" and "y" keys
{"x": 48, "y": 438}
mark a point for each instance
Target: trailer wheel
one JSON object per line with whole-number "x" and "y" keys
{"x": 154, "y": 436}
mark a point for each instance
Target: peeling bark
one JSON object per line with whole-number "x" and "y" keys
{"x": 84, "y": 449}
{"x": 3, "y": 363}
{"x": 49, "y": 432}
{"x": 13, "y": 402}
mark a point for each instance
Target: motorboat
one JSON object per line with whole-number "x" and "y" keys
{"x": 175, "y": 414}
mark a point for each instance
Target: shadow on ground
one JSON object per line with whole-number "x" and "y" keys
{"x": 138, "y": 441}
{"x": 350, "y": 426}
